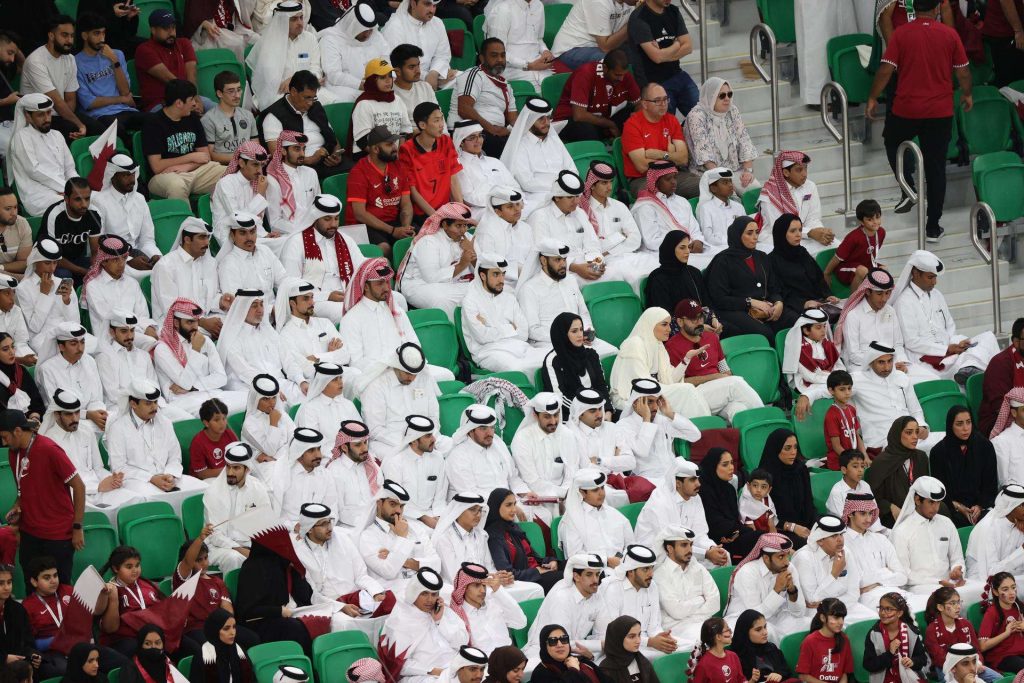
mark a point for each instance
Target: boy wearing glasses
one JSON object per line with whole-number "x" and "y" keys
{"x": 228, "y": 125}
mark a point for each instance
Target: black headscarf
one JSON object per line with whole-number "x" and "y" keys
{"x": 767, "y": 658}
{"x": 494, "y": 524}
{"x": 673, "y": 281}
{"x": 791, "y": 484}
{"x": 782, "y": 246}
{"x": 734, "y": 236}
{"x": 502, "y": 661}
{"x": 667, "y": 250}
{"x": 76, "y": 660}
{"x": 574, "y": 357}
{"x": 545, "y": 656}
{"x": 229, "y": 664}
{"x": 966, "y": 467}
{"x": 720, "y": 500}
{"x": 617, "y": 659}
{"x": 153, "y": 661}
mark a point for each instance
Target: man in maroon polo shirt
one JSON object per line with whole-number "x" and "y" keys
{"x": 924, "y": 53}
{"x": 51, "y": 495}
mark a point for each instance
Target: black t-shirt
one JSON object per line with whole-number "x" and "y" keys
{"x": 72, "y": 235}
{"x": 172, "y": 139}
{"x": 665, "y": 28}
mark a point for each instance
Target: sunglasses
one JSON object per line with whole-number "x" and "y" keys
{"x": 555, "y": 640}
{"x": 725, "y": 95}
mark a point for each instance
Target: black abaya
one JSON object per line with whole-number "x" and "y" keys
{"x": 722, "y": 509}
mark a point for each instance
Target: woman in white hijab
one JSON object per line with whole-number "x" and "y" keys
{"x": 716, "y": 135}
{"x": 643, "y": 355}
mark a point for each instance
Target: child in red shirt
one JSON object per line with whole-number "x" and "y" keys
{"x": 711, "y": 662}
{"x": 858, "y": 252}
{"x": 1002, "y": 628}
{"x": 842, "y": 427}
{"x": 825, "y": 655}
{"x": 133, "y": 593}
{"x": 206, "y": 452}
{"x": 946, "y": 627}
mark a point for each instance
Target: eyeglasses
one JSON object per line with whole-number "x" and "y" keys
{"x": 555, "y": 640}
{"x": 887, "y": 610}
{"x": 954, "y": 603}
{"x": 657, "y": 100}
{"x": 725, "y": 95}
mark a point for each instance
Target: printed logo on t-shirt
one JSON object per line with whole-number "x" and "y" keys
{"x": 181, "y": 143}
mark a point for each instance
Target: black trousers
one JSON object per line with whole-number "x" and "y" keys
{"x": 31, "y": 547}
{"x": 736, "y": 323}
{"x": 66, "y": 128}
{"x": 1007, "y": 60}
{"x": 494, "y": 145}
{"x": 276, "y": 629}
{"x": 578, "y": 131}
{"x": 934, "y": 136}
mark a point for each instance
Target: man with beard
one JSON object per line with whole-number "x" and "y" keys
{"x": 354, "y": 472}
{"x": 243, "y": 187}
{"x": 543, "y": 450}
{"x": 164, "y": 57}
{"x": 574, "y": 603}
{"x": 16, "y": 231}
{"x": 419, "y": 468}
{"x": 123, "y": 212}
{"x": 481, "y": 173}
{"x": 393, "y": 549}
{"x": 190, "y": 271}
{"x": 120, "y": 360}
{"x": 686, "y": 590}
{"x": 230, "y": 494}
{"x": 378, "y": 193}
{"x": 520, "y": 25}
{"x": 297, "y": 478}
{"x": 189, "y": 369}
{"x": 64, "y": 363}
{"x": 103, "y": 87}
{"x": 38, "y": 160}
{"x": 500, "y": 230}
{"x": 484, "y": 97}
{"x": 699, "y": 350}
{"x": 245, "y": 262}
{"x": 74, "y": 225}
{"x": 291, "y": 184}
{"x": 347, "y": 45}
{"x": 631, "y": 590}
{"x": 494, "y": 324}
{"x": 535, "y": 154}
{"x": 105, "y": 288}
{"x": 50, "y": 69}
{"x": 308, "y": 337}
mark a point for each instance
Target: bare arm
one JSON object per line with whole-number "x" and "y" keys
{"x": 63, "y": 109}
{"x": 456, "y": 189}
{"x": 609, "y": 43}
{"x": 190, "y": 72}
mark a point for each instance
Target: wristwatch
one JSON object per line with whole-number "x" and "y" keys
{"x": 665, "y": 157}
{"x": 76, "y": 526}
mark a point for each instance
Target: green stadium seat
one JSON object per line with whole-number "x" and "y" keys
{"x": 339, "y": 115}
{"x": 451, "y": 407}
{"x": 551, "y": 87}
{"x": 336, "y": 185}
{"x": 186, "y": 430}
{"x": 752, "y": 438}
{"x": 535, "y": 536}
{"x": 133, "y": 78}
{"x": 759, "y": 366}
{"x": 746, "y": 417}
{"x": 467, "y": 60}
{"x": 964, "y": 533}
{"x": 167, "y": 215}
{"x": 821, "y": 486}
{"x": 810, "y": 432}
{"x": 478, "y": 30}
{"x": 632, "y": 512}
{"x": 586, "y": 152}
{"x": 147, "y": 7}
{"x": 974, "y": 615}
{"x": 780, "y": 344}
{"x": 68, "y": 7}
{"x": 460, "y": 334}
{"x": 146, "y": 285}
{"x": 606, "y": 366}
{"x": 554, "y": 16}
{"x": 556, "y": 546}
{"x": 672, "y": 667}
{"x": 329, "y": 641}
{"x": 231, "y": 581}
{"x": 780, "y": 16}
{"x": 935, "y": 407}
{"x": 267, "y": 657}
{"x": 235, "y": 422}
{"x": 973, "y": 392}
{"x": 997, "y": 182}
{"x": 166, "y": 586}
{"x": 335, "y": 663}
{"x": 750, "y": 199}
{"x": 34, "y": 222}
{"x": 838, "y": 288}
{"x": 742, "y": 342}
{"x": 184, "y": 665}
{"x": 450, "y": 386}
{"x": 614, "y": 315}
{"x": 204, "y": 207}
{"x": 844, "y": 63}
{"x": 620, "y": 169}
{"x": 157, "y": 538}
{"x": 114, "y": 676}
{"x": 193, "y": 517}
{"x": 982, "y": 73}
{"x": 722, "y": 576}
{"x": 437, "y": 337}
{"x": 398, "y": 251}
{"x": 790, "y": 647}
{"x": 371, "y": 251}
{"x": 130, "y": 513}
{"x": 96, "y": 517}
{"x": 601, "y": 289}
{"x": 444, "y": 100}
{"x": 530, "y": 609}
{"x": 8, "y": 487}
{"x": 83, "y": 157}
{"x": 212, "y": 61}
{"x": 989, "y": 125}
{"x": 100, "y": 541}
{"x": 513, "y": 418}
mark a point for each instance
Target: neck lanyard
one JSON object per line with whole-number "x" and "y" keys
{"x": 23, "y": 454}
{"x": 139, "y": 597}
{"x": 58, "y": 618}
{"x": 319, "y": 558}
{"x": 847, "y": 426}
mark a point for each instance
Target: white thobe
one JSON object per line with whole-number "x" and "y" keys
{"x": 301, "y": 54}
{"x": 324, "y": 274}
{"x": 715, "y": 217}
{"x": 1009, "y": 447}
{"x": 620, "y": 238}
{"x": 497, "y": 332}
{"x": 654, "y": 224}
{"x": 437, "y": 643}
{"x": 536, "y": 165}
{"x": 621, "y": 597}
{"x": 808, "y": 203}
{"x": 928, "y": 330}
{"x": 180, "y": 275}
{"x": 344, "y": 58}
{"x": 84, "y": 452}
{"x": 520, "y": 25}
{"x": 258, "y": 351}
{"x": 542, "y": 299}
{"x": 386, "y": 403}
{"x": 257, "y": 269}
{"x": 352, "y": 489}
{"x": 202, "y": 376}
{"x": 491, "y": 622}
{"x": 335, "y": 568}
{"x": 572, "y": 229}
{"x": 479, "y": 174}
{"x": 423, "y": 476}
{"x": 546, "y": 462}
{"x": 388, "y": 570}
{"x": 41, "y": 164}
{"x": 143, "y": 450}
{"x": 814, "y": 568}
{"x": 326, "y": 415}
{"x": 688, "y": 597}
{"x": 293, "y": 487}
{"x": 455, "y": 545}
{"x": 667, "y": 508}
{"x": 652, "y": 441}
{"x": 118, "y": 367}
{"x": 218, "y": 512}
{"x": 44, "y": 311}
{"x": 273, "y": 441}
{"x": 403, "y": 28}
{"x": 753, "y": 587}
{"x": 305, "y": 338}
{"x": 930, "y": 550}
{"x": 471, "y": 468}
{"x": 606, "y": 450}
{"x": 105, "y": 295}
{"x": 128, "y": 217}
{"x": 837, "y": 501}
{"x": 305, "y": 187}
{"x": 603, "y": 530}
{"x": 995, "y": 545}
{"x": 565, "y": 605}
{"x": 430, "y": 279}
{"x": 13, "y": 323}
{"x": 864, "y": 325}
{"x": 880, "y": 400}
{"x": 877, "y": 562}
{"x": 83, "y": 378}
{"x": 515, "y": 242}
{"x": 816, "y": 23}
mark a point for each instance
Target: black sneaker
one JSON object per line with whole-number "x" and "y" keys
{"x": 964, "y": 373}
{"x": 934, "y": 235}
{"x": 904, "y": 205}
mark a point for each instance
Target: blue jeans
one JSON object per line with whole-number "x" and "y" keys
{"x": 578, "y": 56}
{"x": 682, "y": 93}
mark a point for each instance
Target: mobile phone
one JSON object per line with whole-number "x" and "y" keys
{"x": 67, "y": 282}
{"x": 589, "y": 335}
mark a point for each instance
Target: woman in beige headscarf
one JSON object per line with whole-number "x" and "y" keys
{"x": 643, "y": 354}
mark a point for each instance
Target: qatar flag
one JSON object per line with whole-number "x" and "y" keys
{"x": 104, "y": 147}
{"x": 169, "y": 614}
{"x": 76, "y": 625}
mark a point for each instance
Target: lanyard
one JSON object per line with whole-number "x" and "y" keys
{"x": 847, "y": 426}
{"x": 23, "y": 454}
{"x": 58, "y": 618}
{"x": 139, "y": 597}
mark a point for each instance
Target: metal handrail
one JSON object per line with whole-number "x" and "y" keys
{"x": 842, "y": 138}
{"x": 699, "y": 17}
{"x": 771, "y": 77}
{"x": 915, "y": 195}
{"x": 991, "y": 258}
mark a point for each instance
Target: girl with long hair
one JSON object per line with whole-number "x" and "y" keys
{"x": 894, "y": 649}
{"x": 945, "y": 628}
{"x": 1002, "y": 627}
{"x": 750, "y": 642}
{"x": 711, "y": 662}
{"x": 825, "y": 654}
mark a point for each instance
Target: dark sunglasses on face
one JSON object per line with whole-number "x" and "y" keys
{"x": 555, "y": 640}
{"x": 725, "y": 95}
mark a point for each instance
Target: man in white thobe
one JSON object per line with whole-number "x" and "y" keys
{"x": 478, "y": 463}
{"x": 12, "y": 321}
{"x": 291, "y": 185}
{"x": 591, "y": 526}
{"x": 650, "y": 425}
{"x": 242, "y": 188}
{"x": 38, "y": 160}
{"x": 354, "y": 473}
{"x": 236, "y": 490}
{"x": 347, "y": 46}
{"x": 575, "y": 604}
{"x": 440, "y": 265}
{"x": 493, "y": 323}
{"x": 190, "y": 272}
{"x": 543, "y": 450}
{"x": 676, "y": 502}
{"x": 106, "y": 288}
{"x": 306, "y": 336}
{"x": 480, "y": 173}
{"x": 284, "y": 47}
{"x": 816, "y": 23}
{"x": 519, "y": 24}
{"x": 659, "y": 210}
{"x": 686, "y": 590}
{"x": 44, "y": 301}
{"x": 560, "y": 219}
{"x": 1007, "y": 436}
{"x": 393, "y": 549}
{"x": 488, "y": 609}
{"x": 929, "y": 331}
{"x": 247, "y": 263}
{"x": 63, "y": 364}
{"x": 325, "y": 407}
{"x": 766, "y": 581}
{"x": 124, "y": 213}
{"x": 501, "y": 232}
{"x": 716, "y": 208}
{"x": 631, "y": 590}
{"x": 419, "y": 468}
{"x": 267, "y": 426}
{"x": 535, "y": 154}
{"x": 298, "y": 478}
{"x": 323, "y": 256}
{"x": 141, "y": 443}
{"x": 825, "y": 569}
{"x": 996, "y": 543}
{"x": 928, "y": 545}
{"x": 104, "y": 490}
{"x": 415, "y": 23}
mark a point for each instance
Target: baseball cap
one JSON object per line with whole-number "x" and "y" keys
{"x": 377, "y": 135}
{"x": 377, "y": 67}
{"x": 689, "y": 309}
{"x": 162, "y": 18}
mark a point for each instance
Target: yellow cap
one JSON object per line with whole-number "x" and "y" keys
{"x": 377, "y": 67}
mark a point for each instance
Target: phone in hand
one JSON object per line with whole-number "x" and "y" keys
{"x": 67, "y": 282}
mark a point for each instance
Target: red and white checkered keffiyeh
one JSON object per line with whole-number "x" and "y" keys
{"x": 251, "y": 149}
{"x": 370, "y": 465}
{"x": 1004, "y": 419}
{"x": 853, "y": 505}
{"x": 462, "y": 582}
{"x": 369, "y": 270}
{"x": 776, "y": 188}
{"x": 107, "y": 242}
{"x": 858, "y": 296}
{"x": 769, "y": 540}
{"x": 588, "y": 185}
{"x": 169, "y": 330}
{"x": 650, "y": 194}
{"x": 276, "y": 170}
{"x": 366, "y": 670}
{"x": 450, "y": 211}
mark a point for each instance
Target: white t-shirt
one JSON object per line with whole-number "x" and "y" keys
{"x": 43, "y": 72}
{"x": 419, "y": 92}
{"x": 589, "y": 18}
{"x": 490, "y": 100}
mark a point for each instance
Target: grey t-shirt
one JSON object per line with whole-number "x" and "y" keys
{"x": 225, "y": 133}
